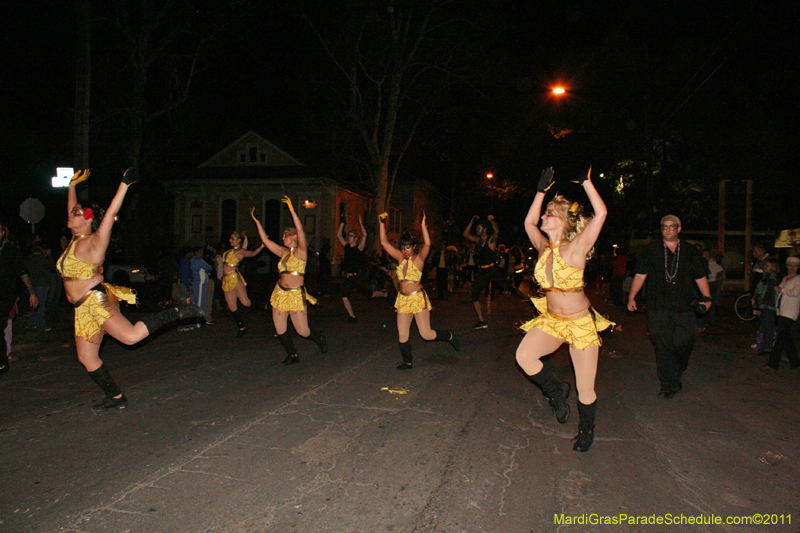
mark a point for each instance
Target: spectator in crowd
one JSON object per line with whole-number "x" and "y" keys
{"x": 12, "y": 268}
{"x": 40, "y": 269}
{"x": 764, "y": 301}
{"x": 788, "y": 309}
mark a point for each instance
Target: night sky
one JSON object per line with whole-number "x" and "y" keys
{"x": 719, "y": 78}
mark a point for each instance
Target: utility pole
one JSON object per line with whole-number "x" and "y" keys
{"x": 721, "y": 218}
{"x": 748, "y": 235}
{"x": 83, "y": 80}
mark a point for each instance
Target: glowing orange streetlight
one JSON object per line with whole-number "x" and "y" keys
{"x": 489, "y": 176}
{"x": 559, "y": 90}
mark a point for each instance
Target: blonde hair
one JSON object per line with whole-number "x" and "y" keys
{"x": 241, "y": 236}
{"x": 571, "y": 214}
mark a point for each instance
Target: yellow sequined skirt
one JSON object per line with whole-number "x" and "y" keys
{"x": 412, "y": 303}
{"x": 231, "y": 280}
{"x": 580, "y": 331}
{"x": 290, "y": 299}
{"x": 91, "y": 312}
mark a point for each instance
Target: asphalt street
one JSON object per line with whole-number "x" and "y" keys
{"x": 219, "y": 437}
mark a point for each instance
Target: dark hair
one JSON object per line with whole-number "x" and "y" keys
{"x": 98, "y": 213}
{"x": 407, "y": 239}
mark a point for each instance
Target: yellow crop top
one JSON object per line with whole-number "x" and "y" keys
{"x": 412, "y": 273}
{"x": 566, "y": 278}
{"x": 70, "y": 268}
{"x": 293, "y": 265}
{"x": 230, "y": 257}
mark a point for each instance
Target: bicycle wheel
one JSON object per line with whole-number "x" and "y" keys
{"x": 744, "y": 307}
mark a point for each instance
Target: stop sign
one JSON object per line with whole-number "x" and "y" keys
{"x": 32, "y": 211}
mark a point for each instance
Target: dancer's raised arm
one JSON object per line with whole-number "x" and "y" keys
{"x": 426, "y": 241}
{"x": 363, "y": 241}
{"x": 302, "y": 245}
{"x": 585, "y": 240}
{"x": 391, "y": 250}
{"x": 538, "y": 239}
{"x": 103, "y": 232}
{"x": 272, "y": 246}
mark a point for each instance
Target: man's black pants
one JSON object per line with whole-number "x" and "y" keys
{"x": 673, "y": 336}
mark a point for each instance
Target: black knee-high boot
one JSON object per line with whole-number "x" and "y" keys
{"x": 159, "y": 320}
{"x": 103, "y": 378}
{"x": 237, "y": 316}
{"x": 448, "y": 336}
{"x": 585, "y": 436}
{"x": 556, "y": 391}
{"x": 405, "y": 351}
{"x": 318, "y": 337}
{"x": 288, "y": 345}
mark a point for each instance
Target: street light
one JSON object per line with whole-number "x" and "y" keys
{"x": 559, "y": 90}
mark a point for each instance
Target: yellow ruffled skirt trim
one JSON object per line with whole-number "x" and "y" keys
{"x": 92, "y": 313}
{"x": 412, "y": 304}
{"x": 292, "y": 299}
{"x": 231, "y": 280}
{"x": 580, "y": 331}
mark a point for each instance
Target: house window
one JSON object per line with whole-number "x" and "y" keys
{"x": 309, "y": 224}
{"x": 272, "y": 218}
{"x": 227, "y": 219}
{"x": 253, "y": 155}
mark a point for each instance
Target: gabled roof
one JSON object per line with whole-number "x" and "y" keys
{"x": 251, "y": 150}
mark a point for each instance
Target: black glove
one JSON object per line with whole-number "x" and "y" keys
{"x": 546, "y": 181}
{"x": 131, "y": 176}
{"x": 583, "y": 177}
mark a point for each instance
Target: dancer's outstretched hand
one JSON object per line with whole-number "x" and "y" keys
{"x": 130, "y": 176}
{"x": 79, "y": 177}
{"x": 383, "y": 217}
{"x": 586, "y": 176}
{"x": 546, "y": 180}
{"x": 288, "y": 203}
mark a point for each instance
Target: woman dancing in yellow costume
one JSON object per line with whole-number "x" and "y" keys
{"x": 412, "y": 301}
{"x": 566, "y": 313}
{"x": 233, "y": 283}
{"x": 97, "y": 303}
{"x": 290, "y": 296}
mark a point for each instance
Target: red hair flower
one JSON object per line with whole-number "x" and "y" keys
{"x": 88, "y": 214}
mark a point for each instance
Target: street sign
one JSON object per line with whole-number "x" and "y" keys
{"x": 32, "y": 211}
{"x": 63, "y": 177}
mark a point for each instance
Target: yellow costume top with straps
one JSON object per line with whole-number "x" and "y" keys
{"x": 414, "y": 302}
{"x": 291, "y": 299}
{"x": 92, "y": 309}
{"x": 408, "y": 271}
{"x": 580, "y": 330}
{"x": 231, "y": 279}
{"x": 566, "y": 278}
{"x": 70, "y": 268}
{"x": 230, "y": 258}
{"x": 293, "y": 264}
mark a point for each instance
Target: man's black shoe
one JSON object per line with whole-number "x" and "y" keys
{"x": 481, "y": 325}
{"x": 111, "y": 403}
{"x": 667, "y": 394}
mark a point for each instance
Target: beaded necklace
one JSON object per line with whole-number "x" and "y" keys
{"x": 670, "y": 271}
